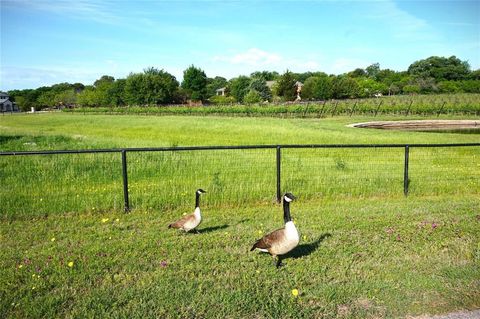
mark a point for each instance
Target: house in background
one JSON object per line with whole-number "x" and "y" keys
{"x": 6, "y": 105}
{"x": 221, "y": 91}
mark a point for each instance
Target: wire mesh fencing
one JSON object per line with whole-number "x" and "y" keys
{"x": 36, "y": 184}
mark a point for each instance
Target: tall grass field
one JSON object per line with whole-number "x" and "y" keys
{"x": 366, "y": 250}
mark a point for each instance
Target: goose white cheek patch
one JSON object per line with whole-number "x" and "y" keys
{"x": 287, "y": 199}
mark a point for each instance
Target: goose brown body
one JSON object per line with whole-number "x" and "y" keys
{"x": 190, "y": 221}
{"x": 280, "y": 241}
{"x": 283, "y": 240}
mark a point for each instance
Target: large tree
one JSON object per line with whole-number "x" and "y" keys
{"x": 285, "y": 86}
{"x": 239, "y": 87}
{"x": 214, "y": 84}
{"x": 317, "y": 88}
{"x": 440, "y": 68}
{"x": 195, "y": 83}
{"x": 152, "y": 87}
{"x": 260, "y": 85}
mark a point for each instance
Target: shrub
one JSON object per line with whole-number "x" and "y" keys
{"x": 252, "y": 97}
{"x": 219, "y": 99}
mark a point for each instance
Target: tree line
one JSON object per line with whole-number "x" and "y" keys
{"x": 158, "y": 87}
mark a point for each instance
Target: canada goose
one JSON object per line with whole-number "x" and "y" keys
{"x": 280, "y": 241}
{"x": 190, "y": 221}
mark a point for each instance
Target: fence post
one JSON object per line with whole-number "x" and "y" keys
{"x": 353, "y": 108}
{"x": 405, "y": 172}
{"x": 378, "y": 108}
{"x": 279, "y": 195}
{"x": 125, "y": 180}
{"x": 441, "y": 109}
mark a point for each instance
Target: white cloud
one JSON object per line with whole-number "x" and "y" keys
{"x": 252, "y": 57}
{"x": 255, "y": 59}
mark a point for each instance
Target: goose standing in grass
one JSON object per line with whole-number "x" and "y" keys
{"x": 280, "y": 241}
{"x": 190, "y": 221}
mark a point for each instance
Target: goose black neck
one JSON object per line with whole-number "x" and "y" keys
{"x": 286, "y": 211}
{"x": 197, "y": 200}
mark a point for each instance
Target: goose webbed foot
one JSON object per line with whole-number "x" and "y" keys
{"x": 279, "y": 263}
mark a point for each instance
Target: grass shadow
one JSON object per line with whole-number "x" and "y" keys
{"x": 212, "y": 228}
{"x": 306, "y": 249}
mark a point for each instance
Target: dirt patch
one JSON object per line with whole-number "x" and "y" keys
{"x": 421, "y": 125}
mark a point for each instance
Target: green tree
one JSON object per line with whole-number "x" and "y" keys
{"x": 103, "y": 80}
{"x": 259, "y": 85}
{"x": 65, "y": 98}
{"x": 214, "y": 84}
{"x": 317, "y": 88}
{"x": 411, "y": 89}
{"x": 239, "y": 87}
{"x": 285, "y": 86}
{"x": 252, "y": 97}
{"x": 369, "y": 87}
{"x": 87, "y": 97}
{"x": 153, "y": 87}
{"x": 373, "y": 70}
{"x": 266, "y": 75}
{"x": 357, "y": 73}
{"x": 344, "y": 87}
{"x": 440, "y": 68}
{"x": 195, "y": 83}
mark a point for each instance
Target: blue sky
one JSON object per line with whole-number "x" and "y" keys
{"x": 48, "y": 42}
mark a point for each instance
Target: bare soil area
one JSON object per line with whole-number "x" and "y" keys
{"x": 421, "y": 125}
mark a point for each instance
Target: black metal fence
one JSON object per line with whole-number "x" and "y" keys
{"x": 169, "y": 172}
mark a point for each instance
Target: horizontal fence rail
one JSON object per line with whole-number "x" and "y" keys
{"x": 165, "y": 177}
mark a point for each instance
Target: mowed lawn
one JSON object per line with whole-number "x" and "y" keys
{"x": 361, "y": 255}
{"x": 358, "y": 258}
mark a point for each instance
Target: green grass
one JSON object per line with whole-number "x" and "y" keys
{"x": 367, "y": 252}
{"x": 358, "y": 258}
{"x": 88, "y": 182}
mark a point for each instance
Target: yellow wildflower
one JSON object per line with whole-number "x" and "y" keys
{"x": 104, "y": 220}
{"x": 295, "y": 292}
{"x": 53, "y": 239}
{"x": 117, "y": 220}
{"x": 70, "y": 264}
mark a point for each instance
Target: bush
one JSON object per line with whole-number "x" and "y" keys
{"x": 252, "y": 97}
{"x": 221, "y": 99}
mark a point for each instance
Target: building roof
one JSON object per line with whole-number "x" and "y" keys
{"x": 4, "y": 100}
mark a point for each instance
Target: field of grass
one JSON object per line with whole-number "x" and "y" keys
{"x": 358, "y": 258}
{"x": 366, "y": 251}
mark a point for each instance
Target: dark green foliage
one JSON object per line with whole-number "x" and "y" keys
{"x": 265, "y": 75}
{"x": 151, "y": 87}
{"x": 259, "y": 85}
{"x": 252, "y": 97}
{"x": 195, "y": 83}
{"x": 286, "y": 86}
{"x": 345, "y": 87}
{"x": 317, "y": 88}
{"x": 214, "y": 84}
{"x": 440, "y": 68}
{"x": 221, "y": 100}
{"x": 239, "y": 87}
